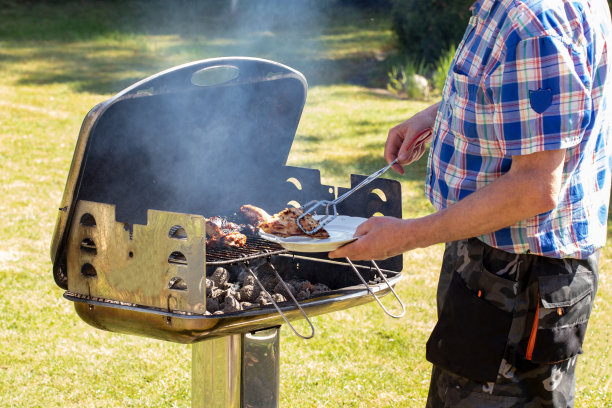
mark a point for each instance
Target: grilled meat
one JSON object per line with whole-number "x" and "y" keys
{"x": 255, "y": 215}
{"x": 284, "y": 224}
{"x": 221, "y": 232}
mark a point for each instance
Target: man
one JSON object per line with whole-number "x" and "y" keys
{"x": 519, "y": 173}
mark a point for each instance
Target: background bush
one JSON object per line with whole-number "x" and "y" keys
{"x": 425, "y": 29}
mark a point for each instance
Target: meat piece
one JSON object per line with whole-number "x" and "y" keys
{"x": 284, "y": 224}
{"x": 255, "y": 215}
{"x": 222, "y": 232}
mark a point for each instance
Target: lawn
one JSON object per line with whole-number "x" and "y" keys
{"x": 59, "y": 59}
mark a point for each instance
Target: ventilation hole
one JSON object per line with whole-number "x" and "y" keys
{"x": 88, "y": 271}
{"x": 295, "y": 182}
{"x": 212, "y": 76}
{"x": 294, "y": 203}
{"x": 381, "y": 194}
{"x": 177, "y": 284}
{"x": 331, "y": 190}
{"x": 131, "y": 254}
{"x": 177, "y": 258}
{"x": 88, "y": 220}
{"x": 177, "y": 232}
{"x": 88, "y": 245}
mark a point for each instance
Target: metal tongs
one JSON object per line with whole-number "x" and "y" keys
{"x": 328, "y": 205}
{"x": 331, "y": 210}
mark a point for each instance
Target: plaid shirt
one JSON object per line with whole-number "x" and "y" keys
{"x": 531, "y": 76}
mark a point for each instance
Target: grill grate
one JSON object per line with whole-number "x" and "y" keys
{"x": 255, "y": 247}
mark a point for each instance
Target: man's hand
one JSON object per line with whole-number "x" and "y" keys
{"x": 379, "y": 238}
{"x": 401, "y": 143}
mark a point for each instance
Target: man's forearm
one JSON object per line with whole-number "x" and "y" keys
{"x": 518, "y": 195}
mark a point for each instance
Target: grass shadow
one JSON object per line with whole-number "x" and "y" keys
{"x": 103, "y": 46}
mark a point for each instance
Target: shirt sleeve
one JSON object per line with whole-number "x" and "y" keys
{"x": 540, "y": 96}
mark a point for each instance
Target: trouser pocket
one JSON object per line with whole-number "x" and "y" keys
{"x": 561, "y": 316}
{"x": 471, "y": 334}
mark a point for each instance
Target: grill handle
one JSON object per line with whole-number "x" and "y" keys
{"x": 373, "y": 294}
{"x": 312, "y": 333}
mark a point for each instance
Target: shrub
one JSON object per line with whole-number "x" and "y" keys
{"x": 425, "y": 28}
{"x": 408, "y": 80}
{"x": 442, "y": 69}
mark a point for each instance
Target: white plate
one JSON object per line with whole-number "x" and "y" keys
{"x": 341, "y": 230}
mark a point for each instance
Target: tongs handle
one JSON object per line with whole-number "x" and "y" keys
{"x": 378, "y": 173}
{"x": 364, "y": 182}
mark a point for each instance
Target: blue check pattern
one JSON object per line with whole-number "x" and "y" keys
{"x": 531, "y": 76}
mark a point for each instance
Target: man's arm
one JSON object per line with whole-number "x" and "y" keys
{"x": 529, "y": 188}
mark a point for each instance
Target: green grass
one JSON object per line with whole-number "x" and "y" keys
{"x": 58, "y": 60}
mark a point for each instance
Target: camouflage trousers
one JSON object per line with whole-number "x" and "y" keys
{"x": 510, "y": 328}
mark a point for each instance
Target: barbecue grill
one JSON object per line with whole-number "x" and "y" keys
{"x": 129, "y": 248}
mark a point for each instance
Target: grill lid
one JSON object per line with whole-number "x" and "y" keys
{"x": 187, "y": 140}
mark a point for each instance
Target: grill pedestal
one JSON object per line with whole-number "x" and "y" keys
{"x": 236, "y": 371}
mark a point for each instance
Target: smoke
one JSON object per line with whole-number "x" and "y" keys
{"x": 176, "y": 146}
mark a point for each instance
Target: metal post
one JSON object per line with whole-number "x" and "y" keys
{"x": 236, "y": 371}
{"x": 260, "y": 368}
{"x": 215, "y": 372}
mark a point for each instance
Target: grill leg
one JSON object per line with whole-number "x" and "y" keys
{"x": 236, "y": 371}
{"x": 215, "y": 373}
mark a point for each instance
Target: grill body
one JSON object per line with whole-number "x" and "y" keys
{"x": 155, "y": 159}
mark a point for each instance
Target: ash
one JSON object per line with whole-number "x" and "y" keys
{"x": 232, "y": 288}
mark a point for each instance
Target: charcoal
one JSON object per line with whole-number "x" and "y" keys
{"x": 278, "y": 298}
{"x": 249, "y": 293}
{"x": 218, "y": 312}
{"x": 280, "y": 289}
{"x": 231, "y": 293}
{"x": 249, "y": 280}
{"x": 319, "y": 288}
{"x": 217, "y": 294}
{"x": 209, "y": 287}
{"x": 263, "y": 299}
{"x": 212, "y": 305}
{"x": 243, "y": 276}
{"x": 266, "y": 275}
{"x": 231, "y": 304}
{"x": 247, "y": 305}
{"x": 301, "y": 285}
{"x": 303, "y": 294}
{"x": 220, "y": 277}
